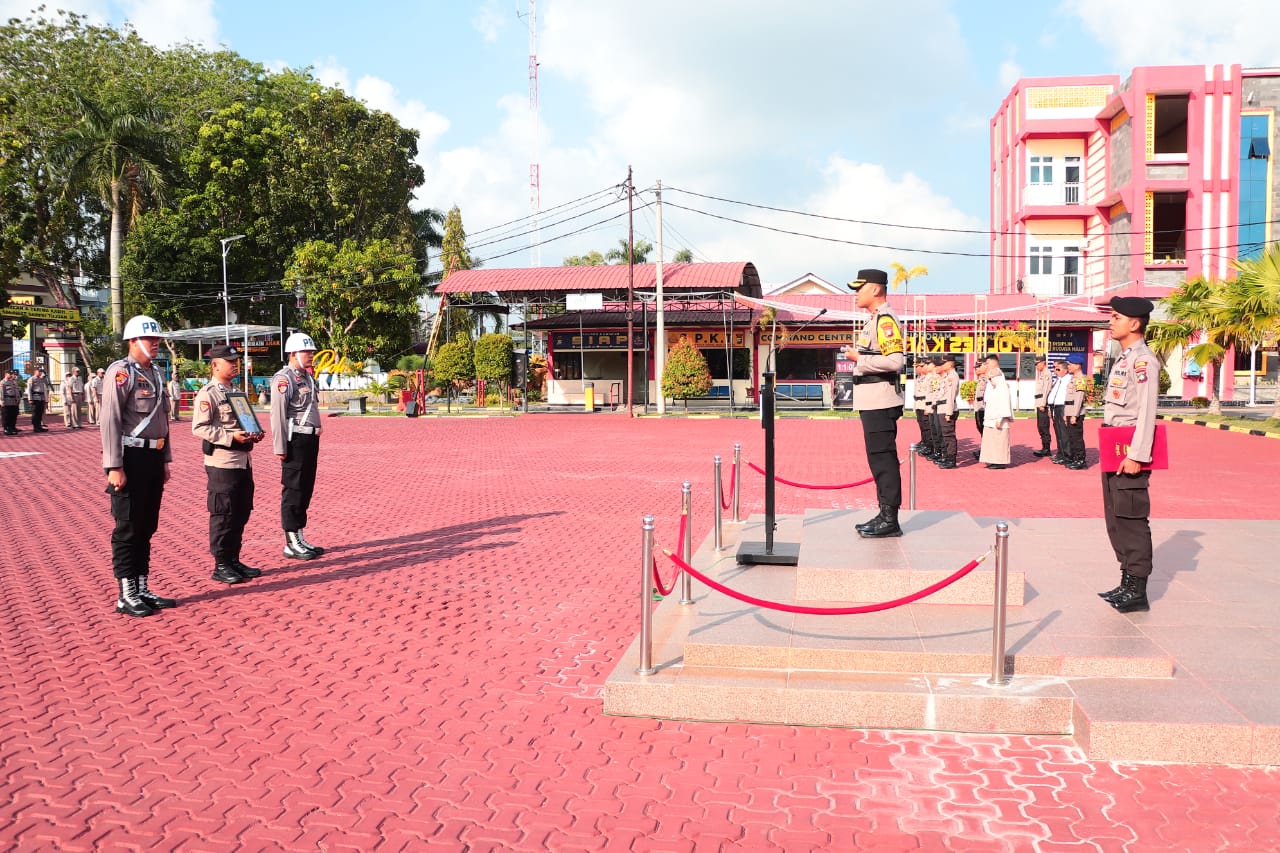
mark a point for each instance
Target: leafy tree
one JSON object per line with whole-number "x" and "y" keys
{"x": 902, "y": 275}
{"x": 493, "y": 358}
{"x": 454, "y": 254}
{"x": 686, "y": 374}
{"x": 1256, "y": 294}
{"x": 684, "y": 256}
{"x": 590, "y": 259}
{"x": 454, "y": 363}
{"x": 1199, "y": 309}
{"x": 619, "y": 255}
{"x": 362, "y": 298}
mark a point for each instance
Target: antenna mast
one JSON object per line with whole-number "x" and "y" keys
{"x": 535, "y": 184}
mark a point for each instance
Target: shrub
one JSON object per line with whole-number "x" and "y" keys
{"x": 493, "y": 358}
{"x": 686, "y": 374}
{"x": 454, "y": 362}
{"x": 1200, "y": 402}
{"x": 968, "y": 389}
{"x": 1165, "y": 383}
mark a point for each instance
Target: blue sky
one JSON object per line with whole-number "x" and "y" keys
{"x": 868, "y": 111}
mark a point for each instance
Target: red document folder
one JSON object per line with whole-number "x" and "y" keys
{"x": 1113, "y": 448}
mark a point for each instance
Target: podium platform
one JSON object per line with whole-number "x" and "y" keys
{"x": 1114, "y": 682}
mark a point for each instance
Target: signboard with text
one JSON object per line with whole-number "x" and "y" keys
{"x": 702, "y": 339}
{"x": 561, "y": 341}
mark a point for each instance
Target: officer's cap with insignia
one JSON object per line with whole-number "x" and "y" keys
{"x": 227, "y": 351}
{"x": 1131, "y": 306}
{"x": 870, "y": 276}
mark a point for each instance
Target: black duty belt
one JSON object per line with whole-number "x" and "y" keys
{"x": 872, "y": 378}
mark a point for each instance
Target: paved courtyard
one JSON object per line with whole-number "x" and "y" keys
{"x": 434, "y": 681}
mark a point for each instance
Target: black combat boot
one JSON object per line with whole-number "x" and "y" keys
{"x": 156, "y": 602}
{"x": 1042, "y": 452}
{"x": 883, "y": 527}
{"x": 225, "y": 572}
{"x": 1110, "y": 595}
{"x": 246, "y": 571}
{"x": 1133, "y": 599}
{"x": 130, "y": 603}
{"x": 314, "y": 548}
{"x": 869, "y": 523}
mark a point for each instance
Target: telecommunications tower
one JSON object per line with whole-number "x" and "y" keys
{"x": 535, "y": 188}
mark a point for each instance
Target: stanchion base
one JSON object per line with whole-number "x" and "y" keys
{"x": 783, "y": 554}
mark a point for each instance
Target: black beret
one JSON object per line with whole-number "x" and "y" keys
{"x": 227, "y": 351}
{"x": 1132, "y": 306}
{"x": 870, "y": 276}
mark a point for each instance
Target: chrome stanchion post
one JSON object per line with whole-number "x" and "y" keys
{"x": 911, "y": 470}
{"x": 737, "y": 481}
{"x": 686, "y": 547}
{"x": 719, "y": 511}
{"x": 646, "y": 597}
{"x": 998, "y": 676}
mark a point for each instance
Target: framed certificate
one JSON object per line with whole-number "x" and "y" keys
{"x": 244, "y": 412}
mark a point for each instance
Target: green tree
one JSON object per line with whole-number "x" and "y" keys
{"x": 686, "y": 374}
{"x": 619, "y": 255}
{"x": 455, "y": 363}
{"x": 493, "y": 358}
{"x": 362, "y": 298}
{"x": 120, "y": 154}
{"x": 684, "y": 256}
{"x": 1255, "y": 293}
{"x": 590, "y": 259}
{"x": 1202, "y": 322}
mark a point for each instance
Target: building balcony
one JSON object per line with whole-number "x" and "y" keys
{"x": 1063, "y": 284}
{"x": 1050, "y": 195}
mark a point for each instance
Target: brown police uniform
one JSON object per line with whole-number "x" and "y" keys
{"x": 877, "y": 395}
{"x": 72, "y": 391}
{"x": 1074, "y": 407}
{"x": 947, "y": 409}
{"x": 1044, "y": 381}
{"x": 38, "y": 392}
{"x": 920, "y": 393}
{"x": 228, "y": 472}
{"x": 135, "y": 437}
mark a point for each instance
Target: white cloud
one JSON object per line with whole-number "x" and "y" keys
{"x": 490, "y": 21}
{"x": 1170, "y": 32}
{"x": 1010, "y": 73}
{"x": 95, "y": 10}
{"x": 169, "y": 22}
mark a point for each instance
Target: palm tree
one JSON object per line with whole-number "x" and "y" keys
{"x": 903, "y": 276}
{"x": 1202, "y": 310}
{"x": 619, "y": 255}
{"x": 1256, "y": 292}
{"x": 116, "y": 152}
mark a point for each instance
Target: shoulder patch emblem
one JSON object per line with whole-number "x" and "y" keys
{"x": 204, "y": 405}
{"x": 121, "y": 377}
{"x": 282, "y": 387}
{"x": 890, "y": 338}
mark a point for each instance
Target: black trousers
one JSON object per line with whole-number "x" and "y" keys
{"x": 923, "y": 420}
{"x": 136, "y": 509}
{"x": 980, "y": 418}
{"x": 935, "y": 433}
{"x": 37, "y": 414}
{"x": 230, "y": 493}
{"x": 944, "y": 436}
{"x": 880, "y": 434}
{"x": 1075, "y": 437}
{"x": 298, "y": 479}
{"x": 1126, "y": 505}
{"x": 1060, "y": 432}
{"x": 1043, "y": 419}
{"x": 9, "y": 416}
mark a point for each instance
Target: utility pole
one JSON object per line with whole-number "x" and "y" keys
{"x": 660, "y": 333}
{"x": 631, "y": 281}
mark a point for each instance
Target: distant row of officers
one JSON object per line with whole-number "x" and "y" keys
{"x": 136, "y": 455}
{"x": 75, "y": 392}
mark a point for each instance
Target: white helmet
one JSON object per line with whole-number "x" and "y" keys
{"x": 299, "y": 342}
{"x": 141, "y": 326}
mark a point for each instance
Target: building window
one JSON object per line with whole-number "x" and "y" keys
{"x": 1169, "y": 228}
{"x": 1255, "y": 132}
{"x": 1170, "y": 131}
{"x": 1041, "y": 169}
{"x": 1040, "y": 260}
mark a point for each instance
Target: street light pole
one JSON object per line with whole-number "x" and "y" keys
{"x": 226, "y": 299}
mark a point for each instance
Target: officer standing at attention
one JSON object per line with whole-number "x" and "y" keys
{"x": 1057, "y": 401}
{"x": 38, "y": 391}
{"x": 1130, "y": 400}
{"x": 933, "y": 394}
{"x": 948, "y": 408}
{"x": 878, "y": 361}
{"x": 1044, "y": 381}
{"x": 10, "y": 400}
{"x": 175, "y": 396}
{"x": 93, "y": 394}
{"x": 72, "y": 396}
{"x": 227, "y": 467}
{"x": 136, "y": 457}
{"x": 1073, "y": 412}
{"x": 295, "y": 437}
{"x": 920, "y": 390}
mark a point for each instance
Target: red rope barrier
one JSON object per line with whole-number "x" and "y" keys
{"x": 759, "y": 470}
{"x": 829, "y": 611}
{"x": 657, "y": 581}
{"x": 733, "y": 485}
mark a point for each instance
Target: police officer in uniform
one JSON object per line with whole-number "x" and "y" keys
{"x": 933, "y": 393}
{"x": 948, "y": 410}
{"x": 920, "y": 391}
{"x": 135, "y": 457}
{"x": 1130, "y": 400}
{"x": 1044, "y": 381}
{"x": 1057, "y": 402}
{"x": 295, "y": 437}
{"x": 93, "y": 395}
{"x": 878, "y": 361}
{"x": 72, "y": 396}
{"x": 227, "y": 467}
{"x": 1073, "y": 412}
{"x": 38, "y": 391}
{"x": 10, "y": 401}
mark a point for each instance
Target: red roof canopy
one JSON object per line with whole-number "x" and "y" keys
{"x": 739, "y": 276}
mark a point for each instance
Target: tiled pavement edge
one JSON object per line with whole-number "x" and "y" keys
{"x": 434, "y": 682}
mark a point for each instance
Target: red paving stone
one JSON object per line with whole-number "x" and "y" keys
{"x": 434, "y": 681}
